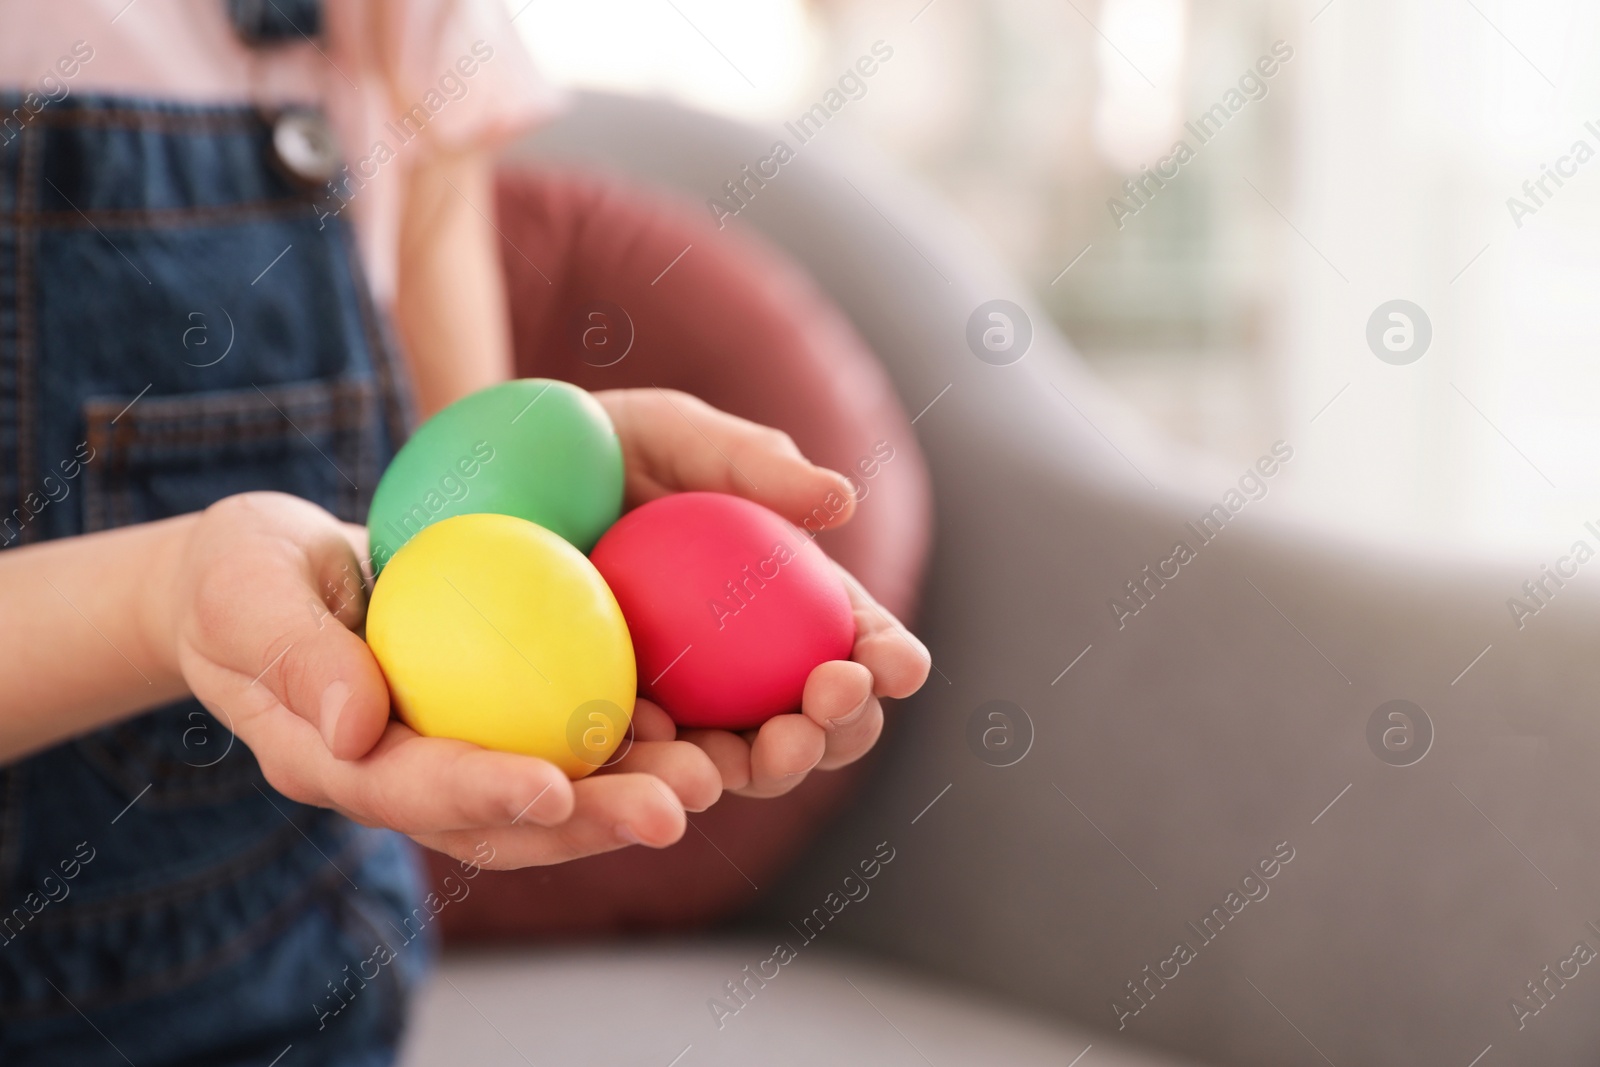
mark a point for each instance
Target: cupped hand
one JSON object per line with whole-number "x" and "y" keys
{"x": 673, "y": 442}
{"x": 260, "y": 607}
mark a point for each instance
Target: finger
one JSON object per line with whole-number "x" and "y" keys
{"x": 650, "y": 723}
{"x": 417, "y": 784}
{"x": 294, "y": 639}
{"x": 411, "y": 783}
{"x": 898, "y": 660}
{"x": 685, "y": 769}
{"x": 838, "y": 697}
{"x": 728, "y": 752}
{"x": 674, "y": 442}
{"x": 786, "y": 748}
{"x": 611, "y": 812}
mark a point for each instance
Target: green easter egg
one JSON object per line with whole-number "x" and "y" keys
{"x": 541, "y": 450}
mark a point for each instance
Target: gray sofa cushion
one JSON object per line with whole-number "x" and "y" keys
{"x": 649, "y": 1006}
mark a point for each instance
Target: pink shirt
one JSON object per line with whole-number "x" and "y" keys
{"x": 377, "y": 61}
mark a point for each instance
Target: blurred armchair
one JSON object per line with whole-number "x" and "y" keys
{"x": 1173, "y": 750}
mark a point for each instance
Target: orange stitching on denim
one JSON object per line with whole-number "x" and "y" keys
{"x": 343, "y": 411}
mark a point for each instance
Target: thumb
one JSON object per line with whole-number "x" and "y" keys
{"x": 674, "y": 442}
{"x": 288, "y": 623}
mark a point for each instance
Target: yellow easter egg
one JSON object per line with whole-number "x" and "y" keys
{"x": 493, "y": 630}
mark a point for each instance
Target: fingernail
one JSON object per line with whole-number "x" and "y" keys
{"x": 846, "y": 720}
{"x": 334, "y": 699}
{"x": 625, "y": 833}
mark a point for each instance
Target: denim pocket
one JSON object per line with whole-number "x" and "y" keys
{"x": 154, "y": 457}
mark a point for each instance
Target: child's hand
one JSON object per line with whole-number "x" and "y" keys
{"x": 673, "y": 442}
{"x": 257, "y": 608}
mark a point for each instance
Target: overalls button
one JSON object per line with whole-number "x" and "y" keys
{"x": 304, "y": 145}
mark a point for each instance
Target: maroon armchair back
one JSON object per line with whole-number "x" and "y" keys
{"x": 610, "y": 288}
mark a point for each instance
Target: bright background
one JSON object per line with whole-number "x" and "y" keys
{"x": 1234, "y": 308}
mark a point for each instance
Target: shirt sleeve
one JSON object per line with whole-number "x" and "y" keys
{"x": 431, "y": 75}
{"x": 460, "y": 66}
{"x": 406, "y": 79}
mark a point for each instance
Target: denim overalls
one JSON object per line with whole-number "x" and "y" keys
{"x": 176, "y": 325}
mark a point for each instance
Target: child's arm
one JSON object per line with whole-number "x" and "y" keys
{"x": 451, "y": 303}
{"x": 74, "y": 624}
{"x": 251, "y": 605}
